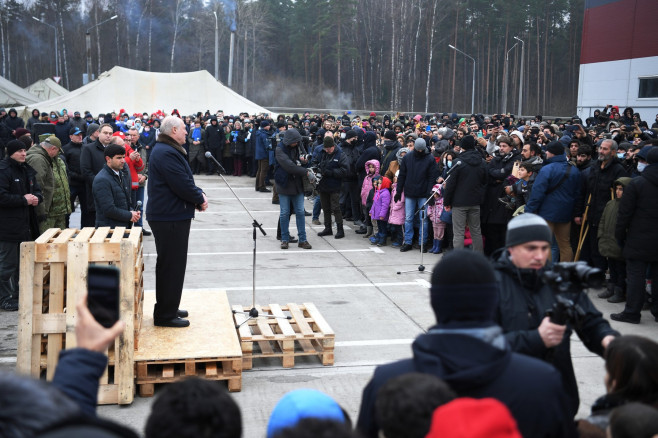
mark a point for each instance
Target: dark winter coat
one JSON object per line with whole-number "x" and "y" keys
{"x": 558, "y": 205}
{"x": 493, "y": 211}
{"x": 418, "y": 174}
{"x": 263, "y": 144}
{"x": 637, "y": 231}
{"x": 333, "y": 168}
{"x": 112, "y": 198}
{"x": 598, "y": 184}
{"x": 391, "y": 148}
{"x": 521, "y": 308}
{"x": 72, "y": 152}
{"x": 18, "y": 221}
{"x": 287, "y": 174}
{"x": 352, "y": 155}
{"x": 530, "y": 388}
{"x": 62, "y": 132}
{"x": 172, "y": 193}
{"x": 215, "y": 137}
{"x": 370, "y": 152}
{"x": 466, "y": 180}
{"x": 92, "y": 160}
{"x": 14, "y": 122}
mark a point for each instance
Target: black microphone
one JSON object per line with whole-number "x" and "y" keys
{"x": 209, "y": 155}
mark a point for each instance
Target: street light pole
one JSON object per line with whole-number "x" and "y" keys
{"x": 88, "y": 43}
{"x": 216, "y": 47}
{"x": 473, "y": 91}
{"x": 56, "y": 55}
{"x": 505, "y": 78}
{"x": 520, "y": 77}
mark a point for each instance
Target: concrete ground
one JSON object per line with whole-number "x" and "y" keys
{"x": 374, "y": 312}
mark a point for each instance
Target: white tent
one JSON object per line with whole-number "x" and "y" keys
{"x": 13, "y": 95}
{"x": 46, "y": 89}
{"x": 140, "y": 91}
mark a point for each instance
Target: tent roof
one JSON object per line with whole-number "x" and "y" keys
{"x": 46, "y": 89}
{"x": 13, "y": 95}
{"x": 140, "y": 91}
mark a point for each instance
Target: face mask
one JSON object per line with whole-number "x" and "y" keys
{"x": 449, "y": 164}
{"x": 343, "y": 135}
{"x": 620, "y": 155}
{"x": 641, "y": 167}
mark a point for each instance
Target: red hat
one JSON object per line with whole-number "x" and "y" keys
{"x": 119, "y": 134}
{"x": 471, "y": 418}
{"x": 372, "y": 114}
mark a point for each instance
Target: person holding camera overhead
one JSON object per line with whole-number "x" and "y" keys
{"x": 525, "y": 297}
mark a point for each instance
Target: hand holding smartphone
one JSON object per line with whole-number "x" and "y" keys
{"x": 103, "y": 294}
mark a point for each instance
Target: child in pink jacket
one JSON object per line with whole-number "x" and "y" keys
{"x": 434, "y": 212}
{"x": 396, "y": 215}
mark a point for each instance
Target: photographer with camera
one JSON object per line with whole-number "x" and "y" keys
{"x": 332, "y": 164}
{"x": 526, "y": 297}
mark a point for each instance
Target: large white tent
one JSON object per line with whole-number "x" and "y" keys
{"x": 140, "y": 91}
{"x": 13, "y": 95}
{"x": 45, "y": 89}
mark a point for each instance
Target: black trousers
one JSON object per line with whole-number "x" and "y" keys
{"x": 171, "y": 240}
{"x": 636, "y": 273}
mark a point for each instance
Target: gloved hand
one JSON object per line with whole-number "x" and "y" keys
{"x": 397, "y": 197}
{"x": 311, "y": 177}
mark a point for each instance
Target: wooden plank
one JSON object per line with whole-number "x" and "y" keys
{"x": 168, "y": 371}
{"x": 126, "y": 348}
{"x": 107, "y": 395}
{"x": 142, "y": 370}
{"x": 300, "y": 320}
{"x": 135, "y": 236}
{"x": 104, "y": 252}
{"x": 146, "y": 389}
{"x": 64, "y": 236}
{"x": 27, "y": 283}
{"x": 56, "y": 306}
{"x": 47, "y": 235}
{"x": 190, "y": 368}
{"x": 319, "y": 320}
{"x": 100, "y": 235}
{"x": 265, "y": 348}
{"x": 76, "y": 285}
{"x": 282, "y": 322}
{"x": 211, "y": 369}
{"x": 240, "y": 318}
{"x": 84, "y": 235}
{"x": 263, "y": 324}
{"x": 49, "y": 323}
{"x": 117, "y": 235}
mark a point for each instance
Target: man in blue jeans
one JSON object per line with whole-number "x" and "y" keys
{"x": 288, "y": 174}
{"x": 418, "y": 173}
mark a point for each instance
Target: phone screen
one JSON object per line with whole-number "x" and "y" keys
{"x": 103, "y": 294}
{"x": 479, "y": 134}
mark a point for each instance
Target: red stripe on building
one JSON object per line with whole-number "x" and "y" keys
{"x": 621, "y": 30}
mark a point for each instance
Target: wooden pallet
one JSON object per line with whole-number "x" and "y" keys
{"x": 151, "y": 373}
{"x": 208, "y": 348}
{"x": 306, "y": 333}
{"x": 53, "y": 274}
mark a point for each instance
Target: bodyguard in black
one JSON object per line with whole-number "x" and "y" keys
{"x": 111, "y": 191}
{"x": 172, "y": 199}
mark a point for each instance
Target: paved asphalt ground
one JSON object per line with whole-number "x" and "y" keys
{"x": 374, "y": 312}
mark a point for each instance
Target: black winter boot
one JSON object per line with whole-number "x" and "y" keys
{"x": 618, "y": 297}
{"x": 327, "y": 231}
{"x": 340, "y": 233}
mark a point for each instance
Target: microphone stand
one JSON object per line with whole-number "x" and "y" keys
{"x": 253, "y": 312}
{"x": 421, "y": 212}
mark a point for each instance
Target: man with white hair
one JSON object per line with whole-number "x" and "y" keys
{"x": 173, "y": 196}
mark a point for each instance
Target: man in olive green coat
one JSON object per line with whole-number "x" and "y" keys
{"x": 52, "y": 177}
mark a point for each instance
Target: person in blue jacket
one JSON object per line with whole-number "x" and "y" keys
{"x": 173, "y": 198}
{"x": 554, "y": 194}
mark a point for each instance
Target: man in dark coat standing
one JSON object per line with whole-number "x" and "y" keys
{"x": 172, "y": 198}
{"x": 470, "y": 353}
{"x": 92, "y": 160}
{"x": 111, "y": 191}
{"x": 19, "y": 194}
{"x": 525, "y": 297}
{"x": 464, "y": 188}
{"x": 637, "y": 235}
{"x": 418, "y": 174}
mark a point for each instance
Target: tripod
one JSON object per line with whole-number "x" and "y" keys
{"x": 253, "y": 312}
{"x": 421, "y": 213}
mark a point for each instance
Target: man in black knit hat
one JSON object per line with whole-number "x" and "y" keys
{"x": 470, "y": 353}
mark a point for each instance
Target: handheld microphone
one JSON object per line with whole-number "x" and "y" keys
{"x": 209, "y": 155}
{"x": 138, "y": 205}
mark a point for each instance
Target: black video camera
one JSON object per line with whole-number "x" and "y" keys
{"x": 568, "y": 279}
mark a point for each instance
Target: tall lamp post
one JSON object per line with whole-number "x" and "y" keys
{"x": 56, "y": 55}
{"x": 505, "y": 78}
{"x": 521, "y": 77}
{"x": 473, "y": 92}
{"x": 88, "y": 43}
{"x": 216, "y": 47}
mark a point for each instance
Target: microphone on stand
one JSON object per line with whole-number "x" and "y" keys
{"x": 209, "y": 155}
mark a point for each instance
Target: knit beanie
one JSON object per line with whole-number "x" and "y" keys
{"x": 328, "y": 142}
{"x": 390, "y": 135}
{"x": 555, "y": 148}
{"x": 14, "y": 146}
{"x": 469, "y": 417}
{"x": 264, "y": 123}
{"x": 302, "y": 403}
{"x": 464, "y": 288}
{"x": 20, "y": 132}
{"x": 652, "y": 156}
{"x": 468, "y": 142}
{"x": 420, "y": 145}
{"x": 351, "y": 134}
{"x": 527, "y": 227}
{"x": 91, "y": 128}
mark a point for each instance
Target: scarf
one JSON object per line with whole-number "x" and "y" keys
{"x": 164, "y": 138}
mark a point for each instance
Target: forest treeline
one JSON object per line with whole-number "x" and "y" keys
{"x": 367, "y": 54}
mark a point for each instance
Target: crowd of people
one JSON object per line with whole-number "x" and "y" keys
{"x": 523, "y": 194}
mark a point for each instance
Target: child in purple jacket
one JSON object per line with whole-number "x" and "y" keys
{"x": 379, "y": 210}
